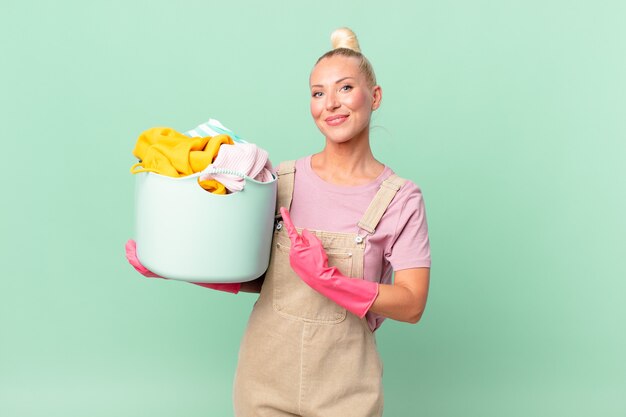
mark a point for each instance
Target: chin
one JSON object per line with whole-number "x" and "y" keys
{"x": 337, "y": 138}
{"x": 340, "y": 135}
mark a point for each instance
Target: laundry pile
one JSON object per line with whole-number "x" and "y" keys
{"x": 219, "y": 155}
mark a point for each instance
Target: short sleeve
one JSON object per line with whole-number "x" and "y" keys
{"x": 410, "y": 245}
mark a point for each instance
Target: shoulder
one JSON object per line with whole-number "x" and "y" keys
{"x": 409, "y": 194}
{"x": 406, "y": 208}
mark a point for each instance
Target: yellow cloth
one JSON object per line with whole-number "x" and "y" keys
{"x": 168, "y": 152}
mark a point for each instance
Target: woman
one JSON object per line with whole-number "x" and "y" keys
{"x": 309, "y": 347}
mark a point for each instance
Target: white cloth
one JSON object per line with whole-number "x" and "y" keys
{"x": 211, "y": 128}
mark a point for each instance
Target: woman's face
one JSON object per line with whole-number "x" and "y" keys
{"x": 341, "y": 99}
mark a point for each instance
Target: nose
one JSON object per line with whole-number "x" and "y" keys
{"x": 332, "y": 102}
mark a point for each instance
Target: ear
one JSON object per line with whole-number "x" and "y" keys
{"x": 377, "y": 96}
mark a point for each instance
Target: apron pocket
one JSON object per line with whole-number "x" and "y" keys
{"x": 293, "y": 298}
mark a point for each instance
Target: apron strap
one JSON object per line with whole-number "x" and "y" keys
{"x": 285, "y": 172}
{"x": 381, "y": 201}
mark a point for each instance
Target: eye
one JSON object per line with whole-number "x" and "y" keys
{"x": 346, "y": 87}
{"x": 316, "y": 94}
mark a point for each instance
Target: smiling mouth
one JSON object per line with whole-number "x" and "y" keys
{"x": 336, "y": 120}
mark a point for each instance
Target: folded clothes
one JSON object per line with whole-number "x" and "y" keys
{"x": 241, "y": 158}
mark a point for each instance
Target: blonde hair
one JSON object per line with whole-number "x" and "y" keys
{"x": 345, "y": 43}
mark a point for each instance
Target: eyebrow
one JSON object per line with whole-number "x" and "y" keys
{"x": 336, "y": 82}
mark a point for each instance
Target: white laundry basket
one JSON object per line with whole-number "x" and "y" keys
{"x": 186, "y": 233}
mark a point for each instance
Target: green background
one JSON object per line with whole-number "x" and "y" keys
{"x": 509, "y": 114}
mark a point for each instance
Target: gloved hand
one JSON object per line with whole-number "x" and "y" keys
{"x": 308, "y": 259}
{"x": 131, "y": 256}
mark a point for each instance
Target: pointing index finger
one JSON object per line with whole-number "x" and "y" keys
{"x": 291, "y": 230}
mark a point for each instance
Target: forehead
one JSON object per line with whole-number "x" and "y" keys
{"x": 329, "y": 70}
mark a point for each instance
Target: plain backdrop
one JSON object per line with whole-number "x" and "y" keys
{"x": 510, "y": 115}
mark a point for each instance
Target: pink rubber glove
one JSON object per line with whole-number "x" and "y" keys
{"x": 308, "y": 259}
{"x": 131, "y": 256}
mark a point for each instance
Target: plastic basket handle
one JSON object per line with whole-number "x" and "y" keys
{"x": 212, "y": 170}
{"x": 137, "y": 168}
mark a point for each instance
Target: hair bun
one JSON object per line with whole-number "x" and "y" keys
{"x": 344, "y": 38}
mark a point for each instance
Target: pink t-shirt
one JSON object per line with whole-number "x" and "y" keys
{"x": 401, "y": 237}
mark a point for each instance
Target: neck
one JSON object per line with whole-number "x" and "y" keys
{"x": 345, "y": 158}
{"x": 347, "y": 163}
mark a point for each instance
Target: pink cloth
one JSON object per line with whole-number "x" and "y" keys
{"x": 401, "y": 237}
{"x": 245, "y": 158}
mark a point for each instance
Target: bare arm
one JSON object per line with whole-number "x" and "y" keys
{"x": 405, "y": 299}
